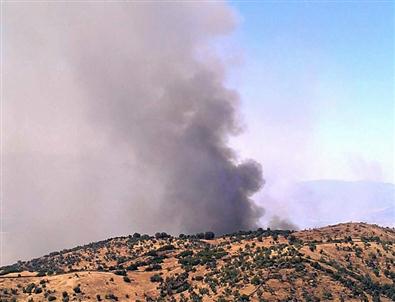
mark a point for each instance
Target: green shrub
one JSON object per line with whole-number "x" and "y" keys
{"x": 126, "y": 279}
{"x": 156, "y": 278}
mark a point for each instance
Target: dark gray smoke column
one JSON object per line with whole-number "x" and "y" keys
{"x": 118, "y": 121}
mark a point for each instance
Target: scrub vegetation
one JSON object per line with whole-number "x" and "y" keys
{"x": 344, "y": 262}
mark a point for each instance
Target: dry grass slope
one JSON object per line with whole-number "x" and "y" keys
{"x": 344, "y": 262}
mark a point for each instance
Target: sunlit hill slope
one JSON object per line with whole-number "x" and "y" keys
{"x": 344, "y": 262}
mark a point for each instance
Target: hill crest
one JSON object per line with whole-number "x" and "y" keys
{"x": 343, "y": 262}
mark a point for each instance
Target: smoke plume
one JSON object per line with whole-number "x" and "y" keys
{"x": 116, "y": 120}
{"x": 278, "y": 223}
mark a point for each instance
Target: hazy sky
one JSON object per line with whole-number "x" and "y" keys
{"x": 317, "y": 84}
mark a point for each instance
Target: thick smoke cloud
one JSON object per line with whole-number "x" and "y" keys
{"x": 117, "y": 120}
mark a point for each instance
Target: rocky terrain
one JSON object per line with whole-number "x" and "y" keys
{"x": 344, "y": 262}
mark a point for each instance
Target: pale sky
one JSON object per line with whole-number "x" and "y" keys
{"x": 317, "y": 87}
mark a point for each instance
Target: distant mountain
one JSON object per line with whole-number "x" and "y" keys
{"x": 322, "y": 202}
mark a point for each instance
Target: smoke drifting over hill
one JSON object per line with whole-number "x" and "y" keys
{"x": 117, "y": 120}
{"x": 278, "y": 223}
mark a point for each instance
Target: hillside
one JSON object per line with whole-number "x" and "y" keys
{"x": 344, "y": 262}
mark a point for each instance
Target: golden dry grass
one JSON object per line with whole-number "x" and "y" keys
{"x": 309, "y": 265}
